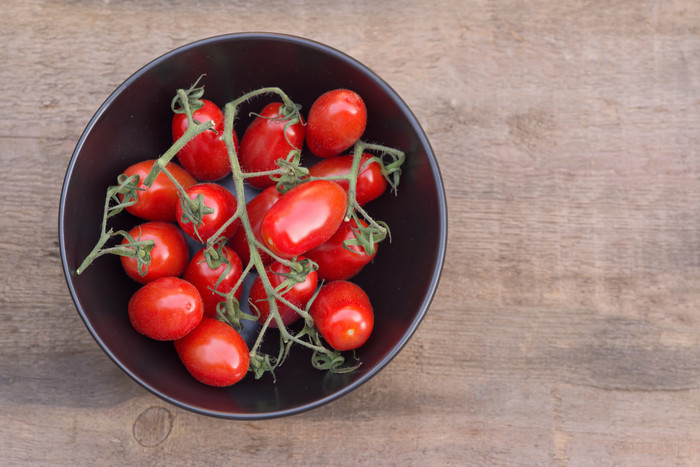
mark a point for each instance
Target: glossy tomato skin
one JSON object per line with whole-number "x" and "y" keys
{"x": 165, "y": 309}
{"x": 343, "y": 314}
{"x": 224, "y": 204}
{"x": 334, "y": 261}
{"x": 158, "y": 202}
{"x": 336, "y": 121}
{"x": 298, "y": 295}
{"x": 370, "y": 181}
{"x": 169, "y": 257}
{"x": 205, "y": 156}
{"x": 256, "y": 208}
{"x": 204, "y": 278}
{"x": 303, "y": 218}
{"x": 214, "y": 353}
{"x": 264, "y": 142}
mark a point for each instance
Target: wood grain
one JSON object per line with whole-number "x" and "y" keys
{"x": 566, "y": 326}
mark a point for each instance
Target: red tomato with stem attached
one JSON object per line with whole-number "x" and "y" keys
{"x": 298, "y": 295}
{"x": 204, "y": 156}
{"x": 169, "y": 256}
{"x": 335, "y": 262}
{"x": 336, "y": 121}
{"x": 343, "y": 314}
{"x": 370, "y": 181}
{"x": 165, "y": 309}
{"x": 256, "y": 208}
{"x": 221, "y": 201}
{"x": 303, "y": 218}
{"x": 158, "y": 202}
{"x": 267, "y": 139}
{"x": 214, "y": 353}
{"x": 205, "y": 279}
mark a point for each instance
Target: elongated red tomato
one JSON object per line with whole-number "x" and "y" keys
{"x": 268, "y": 138}
{"x": 205, "y": 279}
{"x": 335, "y": 262}
{"x": 169, "y": 256}
{"x": 214, "y": 353}
{"x": 370, "y": 181}
{"x": 204, "y": 156}
{"x": 221, "y": 201}
{"x": 158, "y": 202}
{"x": 343, "y": 315}
{"x": 256, "y": 208}
{"x": 336, "y": 121}
{"x": 303, "y": 218}
{"x": 298, "y": 295}
{"x": 165, "y": 309}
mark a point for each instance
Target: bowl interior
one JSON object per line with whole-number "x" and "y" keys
{"x": 134, "y": 124}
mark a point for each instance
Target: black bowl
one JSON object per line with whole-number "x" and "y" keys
{"x": 134, "y": 124}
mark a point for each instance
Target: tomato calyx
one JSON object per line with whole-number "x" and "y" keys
{"x": 140, "y": 250}
{"x": 190, "y": 99}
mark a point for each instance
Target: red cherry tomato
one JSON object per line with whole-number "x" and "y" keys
{"x": 303, "y": 218}
{"x": 204, "y": 278}
{"x": 214, "y": 353}
{"x": 158, "y": 202}
{"x": 298, "y": 295}
{"x": 370, "y": 181}
{"x": 343, "y": 315}
{"x": 204, "y": 156}
{"x": 267, "y": 139}
{"x": 335, "y": 262}
{"x": 256, "y": 208}
{"x": 221, "y": 201}
{"x": 165, "y": 309}
{"x": 168, "y": 257}
{"x": 336, "y": 121}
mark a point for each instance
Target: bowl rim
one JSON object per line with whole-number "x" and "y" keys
{"x": 442, "y": 207}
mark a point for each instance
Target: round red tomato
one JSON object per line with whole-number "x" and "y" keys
{"x": 165, "y": 309}
{"x": 267, "y": 139}
{"x": 342, "y": 313}
{"x": 158, "y": 202}
{"x": 335, "y": 262}
{"x": 204, "y": 156}
{"x": 297, "y": 295}
{"x": 336, "y": 121}
{"x": 169, "y": 256}
{"x": 303, "y": 218}
{"x": 221, "y": 201}
{"x": 256, "y": 208}
{"x": 204, "y": 278}
{"x": 214, "y": 353}
{"x": 370, "y": 181}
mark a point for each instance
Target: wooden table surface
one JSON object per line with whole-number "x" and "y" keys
{"x": 566, "y": 327}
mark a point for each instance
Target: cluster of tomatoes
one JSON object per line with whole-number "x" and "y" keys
{"x": 181, "y": 297}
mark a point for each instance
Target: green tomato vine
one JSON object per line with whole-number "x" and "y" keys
{"x": 290, "y": 173}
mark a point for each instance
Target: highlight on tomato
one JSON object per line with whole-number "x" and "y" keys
{"x": 343, "y": 314}
{"x": 210, "y": 282}
{"x": 166, "y": 309}
{"x": 214, "y": 353}
{"x": 303, "y": 218}
{"x": 336, "y": 121}
{"x": 219, "y": 204}
{"x": 159, "y": 201}
{"x": 298, "y": 295}
{"x": 169, "y": 256}
{"x": 205, "y": 156}
{"x": 275, "y": 132}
